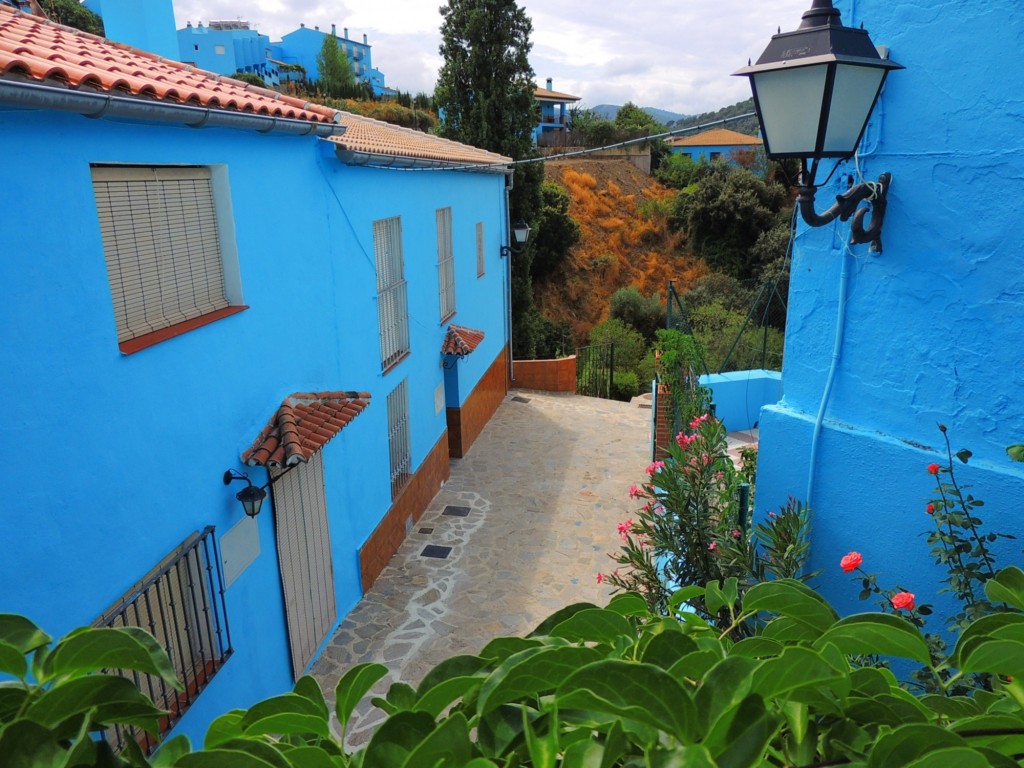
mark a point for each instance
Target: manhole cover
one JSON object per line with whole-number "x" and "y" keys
{"x": 456, "y": 511}
{"x": 433, "y": 550}
{"x": 518, "y": 399}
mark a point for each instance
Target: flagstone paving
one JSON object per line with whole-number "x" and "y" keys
{"x": 545, "y": 485}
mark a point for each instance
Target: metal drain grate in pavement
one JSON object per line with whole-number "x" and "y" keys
{"x": 456, "y": 511}
{"x": 426, "y": 530}
{"x": 433, "y": 550}
{"x": 518, "y": 399}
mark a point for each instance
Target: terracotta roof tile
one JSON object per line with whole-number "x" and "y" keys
{"x": 461, "y": 341}
{"x": 544, "y": 93}
{"x": 50, "y": 53}
{"x": 304, "y": 424}
{"x": 374, "y": 137}
{"x": 716, "y": 137}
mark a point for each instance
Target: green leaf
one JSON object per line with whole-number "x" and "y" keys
{"x": 723, "y": 688}
{"x": 353, "y": 685}
{"x": 556, "y": 618}
{"x": 1016, "y": 452}
{"x": 26, "y": 744}
{"x": 629, "y": 604}
{"x": 635, "y": 691}
{"x": 1004, "y": 657}
{"x": 683, "y": 595}
{"x": 952, "y": 707}
{"x": 24, "y": 635}
{"x": 226, "y": 727}
{"x": 109, "y": 648}
{"x": 532, "y": 671}
{"x": 793, "y": 599}
{"x": 289, "y": 713}
{"x": 458, "y": 666}
{"x": 963, "y": 454}
{"x": 594, "y": 625}
{"x": 447, "y": 745}
{"x": 12, "y": 661}
{"x": 396, "y": 738}
{"x": 714, "y": 598}
{"x": 961, "y": 757}
{"x": 884, "y": 709}
{"x": 789, "y": 631}
{"x": 795, "y": 668}
{"x": 748, "y": 736}
{"x": 981, "y": 630}
{"x": 666, "y": 649}
{"x": 1007, "y": 587}
{"x": 693, "y": 666}
{"x": 444, "y": 693}
{"x": 309, "y": 688}
{"x": 223, "y": 758}
{"x": 308, "y": 756}
{"x": 907, "y": 743}
{"x": 756, "y": 648}
{"x": 877, "y": 633}
{"x": 401, "y": 696}
{"x": 108, "y": 699}
{"x": 543, "y": 750}
{"x": 171, "y": 751}
{"x": 499, "y": 649}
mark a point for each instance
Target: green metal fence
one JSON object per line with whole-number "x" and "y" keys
{"x": 594, "y": 366}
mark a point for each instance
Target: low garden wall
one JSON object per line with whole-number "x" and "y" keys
{"x": 557, "y": 375}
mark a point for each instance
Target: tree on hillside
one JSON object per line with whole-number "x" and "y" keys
{"x": 632, "y": 118}
{"x": 73, "y": 14}
{"x": 558, "y": 231}
{"x": 336, "y": 76}
{"x": 485, "y": 90}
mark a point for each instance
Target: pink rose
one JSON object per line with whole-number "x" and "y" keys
{"x": 903, "y": 601}
{"x": 851, "y": 561}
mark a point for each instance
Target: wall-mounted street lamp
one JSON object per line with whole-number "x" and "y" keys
{"x": 520, "y": 233}
{"x": 251, "y": 496}
{"x": 814, "y": 90}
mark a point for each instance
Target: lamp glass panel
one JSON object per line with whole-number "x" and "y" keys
{"x": 853, "y": 95}
{"x": 521, "y": 233}
{"x": 790, "y": 104}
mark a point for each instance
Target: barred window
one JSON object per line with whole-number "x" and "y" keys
{"x": 392, "y": 302}
{"x": 480, "y": 254}
{"x": 162, "y": 245}
{"x": 445, "y": 263}
{"x": 398, "y": 438}
{"x": 180, "y": 603}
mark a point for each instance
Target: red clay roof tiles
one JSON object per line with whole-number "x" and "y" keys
{"x": 716, "y": 137}
{"x": 304, "y": 424}
{"x": 461, "y": 341}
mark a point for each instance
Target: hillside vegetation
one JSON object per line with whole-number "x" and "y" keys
{"x": 625, "y": 240}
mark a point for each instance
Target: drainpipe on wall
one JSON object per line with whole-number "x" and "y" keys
{"x": 507, "y": 238}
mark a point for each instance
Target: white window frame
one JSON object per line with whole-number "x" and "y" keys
{"x": 481, "y": 253}
{"x": 169, "y": 246}
{"x": 392, "y": 291}
{"x": 399, "y": 444}
{"x": 445, "y": 264}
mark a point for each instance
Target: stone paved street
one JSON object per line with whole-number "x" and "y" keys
{"x": 540, "y": 492}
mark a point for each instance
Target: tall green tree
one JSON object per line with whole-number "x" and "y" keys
{"x": 336, "y": 76}
{"x": 72, "y": 13}
{"x": 485, "y": 90}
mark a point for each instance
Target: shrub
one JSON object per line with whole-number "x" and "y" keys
{"x": 629, "y": 344}
{"x": 644, "y": 313}
{"x": 625, "y": 385}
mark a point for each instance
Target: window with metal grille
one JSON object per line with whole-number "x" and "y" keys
{"x": 392, "y": 302}
{"x": 180, "y": 603}
{"x": 480, "y": 255}
{"x": 162, "y": 245}
{"x": 398, "y": 438}
{"x": 445, "y": 263}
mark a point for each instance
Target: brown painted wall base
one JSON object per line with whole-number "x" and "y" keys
{"x": 466, "y": 423}
{"x": 546, "y": 375}
{"x": 389, "y": 534}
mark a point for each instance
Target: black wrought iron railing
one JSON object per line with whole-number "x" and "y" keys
{"x": 594, "y": 367}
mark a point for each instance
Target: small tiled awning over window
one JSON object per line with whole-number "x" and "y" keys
{"x": 461, "y": 341}
{"x": 304, "y": 424}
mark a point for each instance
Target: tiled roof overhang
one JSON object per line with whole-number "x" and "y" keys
{"x": 717, "y": 137}
{"x": 304, "y": 424}
{"x": 461, "y": 341}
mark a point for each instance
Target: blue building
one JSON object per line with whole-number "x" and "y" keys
{"x": 302, "y": 45}
{"x": 716, "y": 144}
{"x": 144, "y": 24}
{"x": 227, "y": 47}
{"x": 554, "y": 116}
{"x": 880, "y": 349}
{"x": 193, "y": 292}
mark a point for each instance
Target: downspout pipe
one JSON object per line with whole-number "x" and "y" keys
{"x": 507, "y": 239}
{"x": 98, "y": 104}
{"x": 837, "y": 349}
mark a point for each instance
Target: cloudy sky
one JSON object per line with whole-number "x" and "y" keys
{"x": 671, "y": 54}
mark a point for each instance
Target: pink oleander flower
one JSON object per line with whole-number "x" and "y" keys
{"x": 648, "y": 507}
{"x": 633, "y": 491}
{"x": 903, "y": 601}
{"x": 712, "y": 546}
{"x": 933, "y": 469}
{"x": 851, "y": 561}
{"x": 626, "y": 526}
{"x": 685, "y": 440}
{"x": 600, "y": 578}
{"x": 930, "y": 509}
{"x": 736, "y": 533}
{"x": 772, "y": 515}
{"x": 695, "y": 424}
{"x": 654, "y": 467}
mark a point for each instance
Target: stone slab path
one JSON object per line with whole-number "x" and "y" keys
{"x": 530, "y": 517}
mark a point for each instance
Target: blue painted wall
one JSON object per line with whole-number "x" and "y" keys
{"x": 739, "y": 395}
{"x": 145, "y": 24}
{"x": 712, "y": 152}
{"x": 933, "y": 325}
{"x": 226, "y": 51}
{"x": 120, "y": 457}
{"x": 302, "y": 45}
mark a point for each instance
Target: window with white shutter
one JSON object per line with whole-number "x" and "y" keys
{"x": 445, "y": 263}
{"x": 162, "y": 245}
{"x": 399, "y": 446}
{"x": 480, "y": 254}
{"x": 392, "y": 302}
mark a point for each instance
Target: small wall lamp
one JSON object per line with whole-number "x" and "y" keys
{"x": 520, "y": 233}
{"x": 251, "y": 496}
{"x": 814, "y": 90}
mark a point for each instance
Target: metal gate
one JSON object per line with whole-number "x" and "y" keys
{"x": 594, "y": 366}
{"x": 304, "y": 556}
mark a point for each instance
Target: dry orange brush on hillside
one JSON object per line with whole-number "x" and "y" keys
{"x": 625, "y": 240}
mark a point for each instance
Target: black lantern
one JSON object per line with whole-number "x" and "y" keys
{"x": 251, "y": 496}
{"x": 520, "y": 233}
{"x": 814, "y": 90}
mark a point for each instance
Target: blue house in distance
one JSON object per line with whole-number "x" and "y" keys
{"x": 554, "y": 116}
{"x": 882, "y": 348}
{"x": 302, "y": 45}
{"x": 214, "y": 286}
{"x": 716, "y": 144}
{"x": 227, "y": 47}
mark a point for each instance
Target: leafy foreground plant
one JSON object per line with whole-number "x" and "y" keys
{"x": 614, "y": 686}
